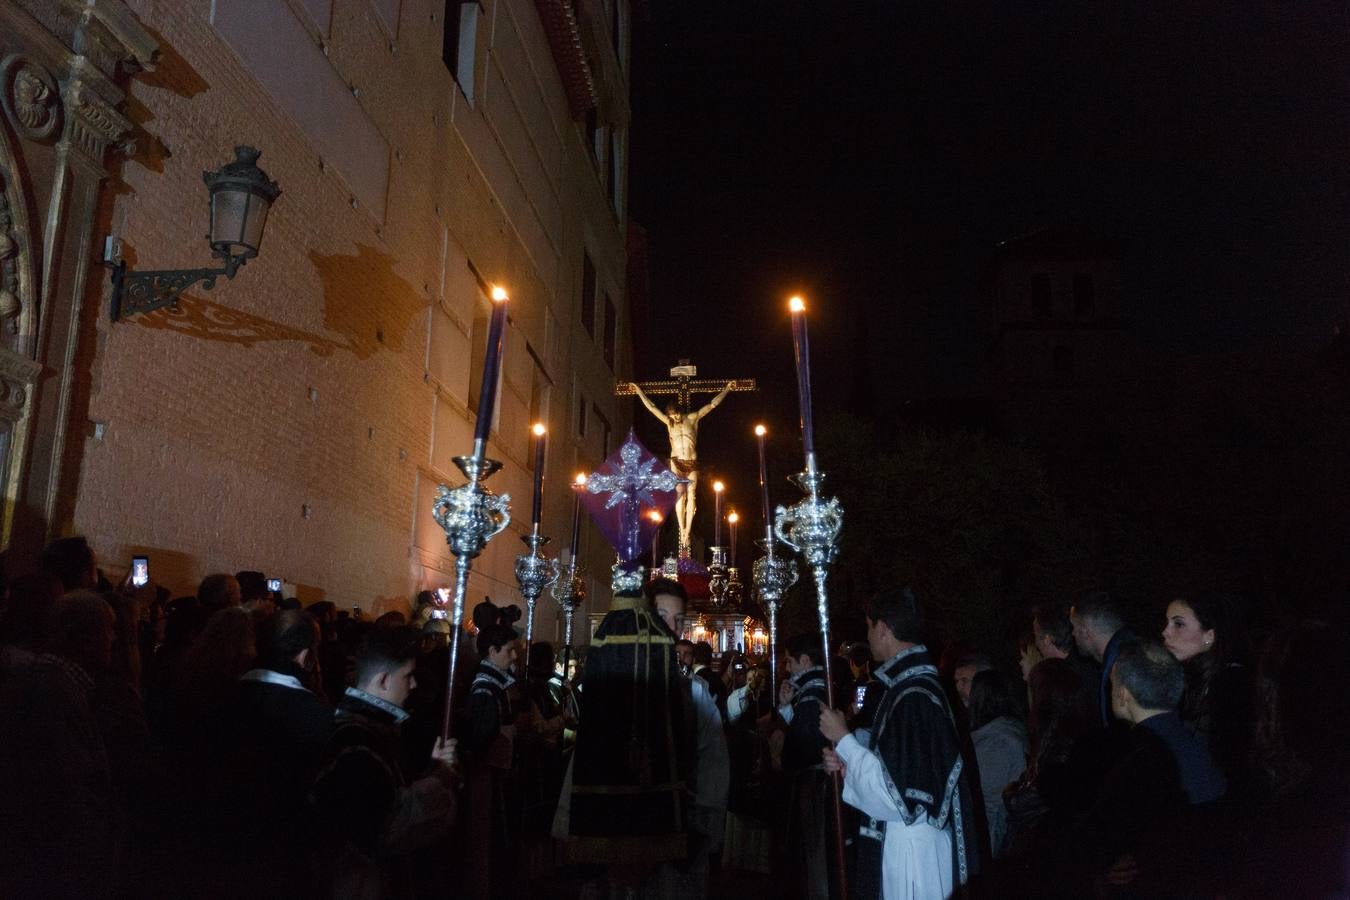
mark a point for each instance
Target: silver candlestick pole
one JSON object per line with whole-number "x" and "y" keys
{"x": 569, "y": 590}
{"x": 534, "y": 572}
{"x": 811, "y": 527}
{"x": 471, "y": 515}
{"x": 773, "y": 575}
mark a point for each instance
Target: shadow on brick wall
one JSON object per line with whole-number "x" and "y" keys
{"x": 365, "y": 301}
{"x": 173, "y": 73}
{"x": 212, "y": 321}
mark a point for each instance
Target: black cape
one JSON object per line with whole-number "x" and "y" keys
{"x": 633, "y": 749}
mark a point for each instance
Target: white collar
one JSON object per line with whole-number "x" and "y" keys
{"x": 398, "y": 712}
{"x": 267, "y": 676}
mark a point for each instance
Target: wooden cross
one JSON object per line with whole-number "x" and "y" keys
{"x": 684, "y": 383}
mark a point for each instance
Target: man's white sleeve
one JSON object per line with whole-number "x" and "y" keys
{"x": 866, "y": 785}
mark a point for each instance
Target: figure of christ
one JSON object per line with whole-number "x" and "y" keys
{"x": 682, "y": 427}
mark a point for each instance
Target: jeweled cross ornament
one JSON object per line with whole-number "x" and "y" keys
{"x": 630, "y": 484}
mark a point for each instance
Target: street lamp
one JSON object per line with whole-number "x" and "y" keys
{"x": 241, "y": 195}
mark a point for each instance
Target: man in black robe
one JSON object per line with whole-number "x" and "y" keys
{"x": 623, "y": 801}
{"x": 917, "y": 836}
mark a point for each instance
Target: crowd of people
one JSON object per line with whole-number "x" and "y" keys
{"x": 231, "y": 743}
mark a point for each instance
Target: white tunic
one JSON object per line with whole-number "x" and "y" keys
{"x": 916, "y": 859}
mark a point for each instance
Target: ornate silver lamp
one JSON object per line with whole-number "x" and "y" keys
{"x": 718, "y": 576}
{"x": 569, "y": 589}
{"x": 534, "y": 573}
{"x": 773, "y": 575}
{"x": 471, "y": 515}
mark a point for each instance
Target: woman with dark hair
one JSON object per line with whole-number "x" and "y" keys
{"x": 1204, "y": 634}
{"x": 1000, "y": 741}
{"x": 1054, "y": 785}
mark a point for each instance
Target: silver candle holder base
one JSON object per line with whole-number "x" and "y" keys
{"x": 773, "y": 576}
{"x": 570, "y": 591}
{"x": 718, "y": 576}
{"x": 534, "y": 573}
{"x": 471, "y": 515}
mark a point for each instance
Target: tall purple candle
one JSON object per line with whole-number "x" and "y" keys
{"x": 492, "y": 368}
{"x": 577, "y": 487}
{"x": 801, "y": 348}
{"x": 760, "y": 432}
{"x": 718, "y": 487}
{"x": 540, "y": 439}
{"x": 732, "y": 518}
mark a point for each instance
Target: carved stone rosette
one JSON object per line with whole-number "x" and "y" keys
{"x": 31, "y": 98}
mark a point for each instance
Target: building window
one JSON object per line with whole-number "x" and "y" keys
{"x": 611, "y": 331}
{"x": 459, "y": 45}
{"x": 588, "y": 294}
{"x": 603, "y": 422}
{"x": 581, "y": 416}
{"x": 1040, "y": 295}
{"x": 1084, "y": 295}
{"x": 1062, "y": 362}
{"x": 616, "y": 27}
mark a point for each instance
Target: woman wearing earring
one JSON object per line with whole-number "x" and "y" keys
{"x": 1203, "y": 632}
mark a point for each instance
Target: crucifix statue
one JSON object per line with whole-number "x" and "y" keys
{"x": 682, "y": 425}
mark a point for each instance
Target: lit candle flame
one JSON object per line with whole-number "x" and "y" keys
{"x": 733, "y": 517}
{"x": 538, "y": 429}
{"x": 760, "y": 431}
{"x": 797, "y": 304}
{"x": 719, "y": 487}
{"x": 655, "y": 517}
{"x": 581, "y": 479}
{"x": 498, "y": 294}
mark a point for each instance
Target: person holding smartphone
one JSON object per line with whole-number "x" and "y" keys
{"x": 867, "y": 691}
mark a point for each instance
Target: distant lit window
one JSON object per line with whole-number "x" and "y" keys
{"x": 588, "y": 294}
{"x": 1084, "y": 295}
{"x": 1041, "y": 299}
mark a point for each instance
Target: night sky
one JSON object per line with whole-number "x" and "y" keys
{"x": 872, "y": 154}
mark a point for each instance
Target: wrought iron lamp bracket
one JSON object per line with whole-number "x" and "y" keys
{"x": 134, "y": 293}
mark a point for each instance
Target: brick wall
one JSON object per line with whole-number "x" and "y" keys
{"x": 297, "y": 419}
